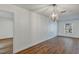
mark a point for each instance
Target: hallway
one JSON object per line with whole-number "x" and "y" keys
{"x": 57, "y": 45}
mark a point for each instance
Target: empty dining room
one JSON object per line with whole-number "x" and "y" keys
{"x": 39, "y": 28}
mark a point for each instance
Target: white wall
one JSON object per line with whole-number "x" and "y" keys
{"x": 75, "y": 23}
{"x": 38, "y": 28}
{"x": 6, "y": 25}
{"x": 52, "y": 29}
{"x": 29, "y": 28}
{"x": 6, "y": 28}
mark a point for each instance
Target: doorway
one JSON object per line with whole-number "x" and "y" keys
{"x": 6, "y": 32}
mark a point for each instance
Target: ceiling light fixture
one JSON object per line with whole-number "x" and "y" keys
{"x": 55, "y": 13}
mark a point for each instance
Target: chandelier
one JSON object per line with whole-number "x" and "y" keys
{"x": 54, "y": 15}
{"x": 56, "y": 12}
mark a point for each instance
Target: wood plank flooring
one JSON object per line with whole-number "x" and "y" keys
{"x": 57, "y": 45}
{"x": 6, "y": 46}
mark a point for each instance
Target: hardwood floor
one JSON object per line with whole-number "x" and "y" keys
{"x": 6, "y": 46}
{"x": 57, "y": 45}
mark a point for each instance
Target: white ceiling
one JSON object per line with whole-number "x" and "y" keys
{"x": 71, "y": 9}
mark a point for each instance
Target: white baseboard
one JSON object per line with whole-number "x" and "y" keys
{"x": 69, "y": 36}
{"x": 51, "y": 37}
